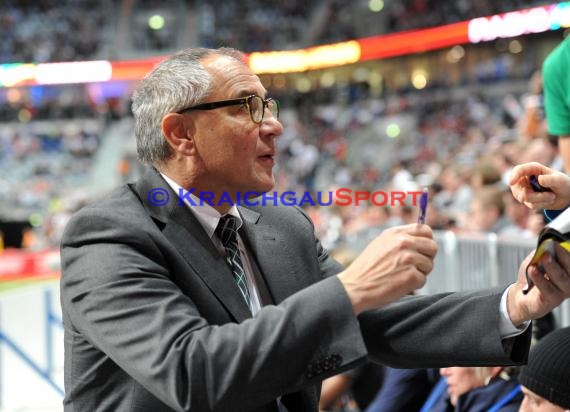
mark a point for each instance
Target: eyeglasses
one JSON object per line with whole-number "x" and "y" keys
{"x": 255, "y": 106}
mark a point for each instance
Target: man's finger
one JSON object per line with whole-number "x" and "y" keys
{"x": 526, "y": 169}
{"x": 557, "y": 274}
{"x": 427, "y": 247}
{"x": 425, "y": 264}
{"x": 548, "y": 288}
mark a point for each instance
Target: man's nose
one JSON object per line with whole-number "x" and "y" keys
{"x": 271, "y": 126}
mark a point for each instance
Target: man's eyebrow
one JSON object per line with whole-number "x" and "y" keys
{"x": 245, "y": 93}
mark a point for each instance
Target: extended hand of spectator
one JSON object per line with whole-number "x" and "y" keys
{"x": 551, "y": 287}
{"x": 556, "y": 181}
{"x": 392, "y": 265}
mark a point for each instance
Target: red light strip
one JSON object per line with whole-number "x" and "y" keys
{"x": 133, "y": 70}
{"x": 415, "y": 41}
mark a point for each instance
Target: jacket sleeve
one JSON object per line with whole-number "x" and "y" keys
{"x": 438, "y": 330}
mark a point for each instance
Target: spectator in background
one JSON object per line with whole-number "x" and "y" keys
{"x": 474, "y": 389}
{"x": 491, "y": 389}
{"x": 539, "y": 150}
{"x": 532, "y": 124}
{"x": 555, "y": 71}
{"x": 487, "y": 211}
{"x": 404, "y": 390}
{"x": 546, "y": 377}
{"x": 352, "y": 390}
{"x": 49, "y": 30}
{"x": 519, "y": 218}
{"x": 401, "y": 175}
{"x": 455, "y": 197}
{"x": 506, "y": 156}
{"x": 485, "y": 174}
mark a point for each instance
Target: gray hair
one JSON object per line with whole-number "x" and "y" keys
{"x": 177, "y": 82}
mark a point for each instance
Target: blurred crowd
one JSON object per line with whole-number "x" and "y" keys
{"x": 42, "y": 31}
{"x": 254, "y": 25}
{"x": 461, "y": 150}
{"x": 47, "y": 168}
{"x": 67, "y": 30}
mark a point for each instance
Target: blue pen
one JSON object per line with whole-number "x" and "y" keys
{"x": 423, "y": 206}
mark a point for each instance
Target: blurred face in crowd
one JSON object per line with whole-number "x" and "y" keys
{"x": 461, "y": 380}
{"x": 516, "y": 211}
{"x": 538, "y": 150}
{"x": 231, "y": 152}
{"x": 534, "y": 403}
{"x": 482, "y": 217}
{"x": 451, "y": 179}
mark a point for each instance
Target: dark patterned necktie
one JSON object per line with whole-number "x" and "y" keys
{"x": 227, "y": 232}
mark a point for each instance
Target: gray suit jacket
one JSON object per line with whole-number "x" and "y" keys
{"x": 154, "y": 321}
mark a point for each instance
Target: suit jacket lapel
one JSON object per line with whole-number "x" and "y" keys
{"x": 273, "y": 257}
{"x": 186, "y": 234}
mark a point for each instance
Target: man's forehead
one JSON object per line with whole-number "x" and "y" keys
{"x": 231, "y": 73}
{"x": 219, "y": 63}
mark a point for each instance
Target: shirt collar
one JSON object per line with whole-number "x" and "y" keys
{"x": 206, "y": 214}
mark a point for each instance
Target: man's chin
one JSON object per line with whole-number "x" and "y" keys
{"x": 266, "y": 186}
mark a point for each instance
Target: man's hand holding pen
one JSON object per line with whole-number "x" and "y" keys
{"x": 394, "y": 264}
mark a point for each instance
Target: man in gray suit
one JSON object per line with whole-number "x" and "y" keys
{"x": 164, "y": 309}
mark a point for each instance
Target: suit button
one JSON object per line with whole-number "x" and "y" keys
{"x": 336, "y": 361}
{"x": 327, "y": 363}
{"x": 312, "y": 370}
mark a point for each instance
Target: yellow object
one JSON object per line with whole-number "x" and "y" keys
{"x": 547, "y": 245}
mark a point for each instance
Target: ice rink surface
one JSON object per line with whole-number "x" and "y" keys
{"x": 31, "y": 349}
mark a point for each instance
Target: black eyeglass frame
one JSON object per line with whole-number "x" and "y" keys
{"x": 234, "y": 102}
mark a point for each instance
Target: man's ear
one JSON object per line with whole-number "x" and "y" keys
{"x": 177, "y": 132}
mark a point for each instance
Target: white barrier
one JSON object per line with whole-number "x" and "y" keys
{"x": 31, "y": 350}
